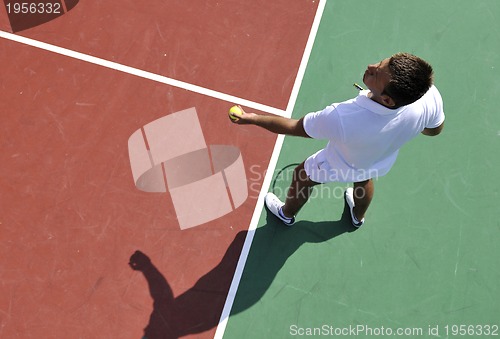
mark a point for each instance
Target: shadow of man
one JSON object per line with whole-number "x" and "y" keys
{"x": 199, "y": 308}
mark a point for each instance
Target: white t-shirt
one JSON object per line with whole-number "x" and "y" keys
{"x": 364, "y": 137}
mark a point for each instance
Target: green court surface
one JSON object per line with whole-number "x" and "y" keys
{"x": 425, "y": 264}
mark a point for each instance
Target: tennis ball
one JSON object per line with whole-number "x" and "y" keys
{"x": 235, "y": 110}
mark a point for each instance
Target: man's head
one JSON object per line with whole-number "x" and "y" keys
{"x": 399, "y": 80}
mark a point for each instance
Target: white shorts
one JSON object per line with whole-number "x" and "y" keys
{"x": 318, "y": 169}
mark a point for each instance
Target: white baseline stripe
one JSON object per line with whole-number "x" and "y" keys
{"x": 305, "y": 58}
{"x": 221, "y": 328}
{"x": 141, "y": 73}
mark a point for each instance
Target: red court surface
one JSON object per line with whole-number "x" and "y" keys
{"x": 70, "y": 214}
{"x": 247, "y": 49}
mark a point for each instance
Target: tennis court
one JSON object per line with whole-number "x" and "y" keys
{"x": 105, "y": 103}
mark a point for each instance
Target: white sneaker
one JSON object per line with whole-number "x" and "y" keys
{"x": 349, "y": 198}
{"x": 274, "y": 205}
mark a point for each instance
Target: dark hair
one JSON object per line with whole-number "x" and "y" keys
{"x": 411, "y": 78}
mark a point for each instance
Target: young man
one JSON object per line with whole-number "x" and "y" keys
{"x": 364, "y": 134}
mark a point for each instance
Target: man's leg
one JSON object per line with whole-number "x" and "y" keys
{"x": 298, "y": 192}
{"x": 363, "y": 194}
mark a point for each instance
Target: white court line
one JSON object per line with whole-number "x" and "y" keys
{"x": 305, "y": 58}
{"x": 141, "y": 73}
{"x": 221, "y": 328}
